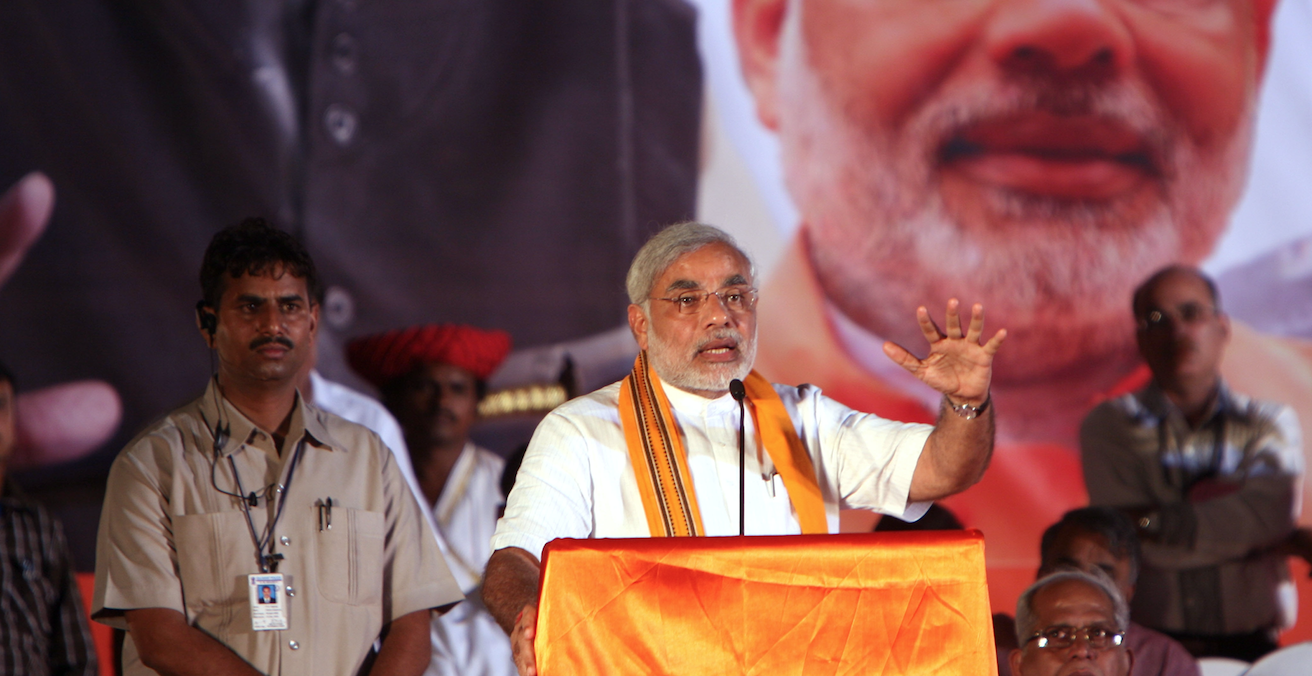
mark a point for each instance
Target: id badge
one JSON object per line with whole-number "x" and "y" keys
{"x": 268, "y": 602}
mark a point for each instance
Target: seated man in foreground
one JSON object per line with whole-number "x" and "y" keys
{"x": 1071, "y": 622}
{"x": 1103, "y": 539}
{"x": 693, "y": 313}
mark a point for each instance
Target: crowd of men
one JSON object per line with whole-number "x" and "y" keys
{"x": 258, "y": 530}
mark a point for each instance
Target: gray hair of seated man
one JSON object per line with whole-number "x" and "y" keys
{"x": 667, "y": 246}
{"x": 1026, "y": 619}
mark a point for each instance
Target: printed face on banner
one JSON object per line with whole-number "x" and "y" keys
{"x": 1042, "y": 157}
{"x": 700, "y": 351}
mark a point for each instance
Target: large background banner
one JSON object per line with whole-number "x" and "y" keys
{"x": 499, "y": 162}
{"x": 490, "y": 161}
{"x": 1041, "y": 158}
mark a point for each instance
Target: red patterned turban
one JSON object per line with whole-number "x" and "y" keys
{"x": 383, "y": 357}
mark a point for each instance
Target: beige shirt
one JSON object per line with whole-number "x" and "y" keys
{"x": 170, "y": 539}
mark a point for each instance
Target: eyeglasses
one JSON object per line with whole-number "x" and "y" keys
{"x": 1062, "y": 636}
{"x": 736, "y": 299}
{"x": 1186, "y": 314}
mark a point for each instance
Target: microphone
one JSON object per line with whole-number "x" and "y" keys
{"x": 739, "y": 393}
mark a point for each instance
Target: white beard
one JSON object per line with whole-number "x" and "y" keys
{"x": 685, "y": 373}
{"x": 1058, "y": 274}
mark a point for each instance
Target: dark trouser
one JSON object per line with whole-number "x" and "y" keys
{"x": 1246, "y": 647}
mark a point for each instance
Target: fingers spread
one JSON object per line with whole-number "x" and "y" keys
{"x": 995, "y": 342}
{"x": 976, "y": 323}
{"x": 954, "y": 318}
{"x": 927, "y": 325}
{"x": 901, "y": 356}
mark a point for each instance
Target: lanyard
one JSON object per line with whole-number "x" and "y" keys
{"x": 268, "y": 562}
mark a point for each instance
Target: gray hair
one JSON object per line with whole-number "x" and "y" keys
{"x": 667, "y": 246}
{"x": 1026, "y": 619}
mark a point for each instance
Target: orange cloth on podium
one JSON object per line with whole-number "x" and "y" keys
{"x": 886, "y": 603}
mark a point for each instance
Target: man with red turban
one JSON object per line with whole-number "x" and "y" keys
{"x": 432, "y": 378}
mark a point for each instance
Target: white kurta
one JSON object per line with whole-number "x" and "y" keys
{"x": 467, "y": 641}
{"x": 577, "y": 481}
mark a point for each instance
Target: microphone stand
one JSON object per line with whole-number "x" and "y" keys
{"x": 739, "y": 393}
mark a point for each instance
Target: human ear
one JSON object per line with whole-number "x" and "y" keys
{"x": 314, "y": 319}
{"x": 638, "y": 324}
{"x": 758, "y": 28}
{"x": 207, "y": 322}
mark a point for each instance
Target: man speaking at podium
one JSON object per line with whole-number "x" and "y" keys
{"x": 675, "y": 421}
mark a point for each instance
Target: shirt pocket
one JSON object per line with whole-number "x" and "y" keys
{"x": 350, "y": 558}
{"x": 215, "y": 553}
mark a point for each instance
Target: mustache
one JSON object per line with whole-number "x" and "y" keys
{"x": 719, "y": 335}
{"x": 1126, "y": 105}
{"x": 265, "y": 340}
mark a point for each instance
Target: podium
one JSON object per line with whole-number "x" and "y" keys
{"x": 879, "y": 603}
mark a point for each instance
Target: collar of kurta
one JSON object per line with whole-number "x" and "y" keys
{"x": 660, "y": 462}
{"x": 457, "y": 484}
{"x": 307, "y": 421}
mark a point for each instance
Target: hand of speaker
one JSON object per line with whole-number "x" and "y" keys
{"x": 60, "y": 422}
{"x": 521, "y": 641}
{"x": 959, "y": 363}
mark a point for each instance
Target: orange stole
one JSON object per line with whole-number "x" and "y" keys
{"x": 885, "y": 603}
{"x": 660, "y": 463}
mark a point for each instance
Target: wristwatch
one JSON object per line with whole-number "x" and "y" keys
{"x": 967, "y": 411}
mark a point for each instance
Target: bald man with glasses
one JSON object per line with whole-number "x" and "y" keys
{"x": 1071, "y": 622}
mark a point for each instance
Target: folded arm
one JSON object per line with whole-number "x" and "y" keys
{"x": 1254, "y": 513}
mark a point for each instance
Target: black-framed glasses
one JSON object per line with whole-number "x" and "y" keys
{"x": 736, "y": 299}
{"x": 1063, "y": 636}
{"x": 1185, "y": 313}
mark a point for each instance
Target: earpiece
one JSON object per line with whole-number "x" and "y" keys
{"x": 208, "y": 321}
